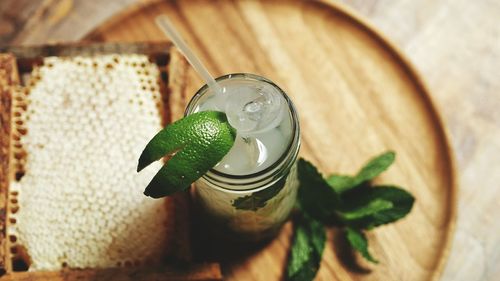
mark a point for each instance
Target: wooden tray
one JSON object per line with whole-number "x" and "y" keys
{"x": 172, "y": 70}
{"x": 357, "y": 96}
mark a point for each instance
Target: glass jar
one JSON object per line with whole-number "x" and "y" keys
{"x": 253, "y": 206}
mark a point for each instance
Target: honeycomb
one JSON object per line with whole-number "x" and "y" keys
{"x": 79, "y": 128}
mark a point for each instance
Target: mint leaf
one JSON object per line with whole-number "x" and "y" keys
{"x": 341, "y": 183}
{"x": 197, "y": 142}
{"x": 359, "y": 242}
{"x": 358, "y": 211}
{"x": 372, "y": 204}
{"x": 316, "y": 198}
{"x": 259, "y": 199}
{"x": 375, "y": 167}
{"x": 370, "y": 170}
{"x": 306, "y": 250}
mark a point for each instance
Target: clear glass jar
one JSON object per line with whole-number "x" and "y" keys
{"x": 253, "y": 206}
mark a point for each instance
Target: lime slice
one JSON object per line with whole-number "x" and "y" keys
{"x": 197, "y": 142}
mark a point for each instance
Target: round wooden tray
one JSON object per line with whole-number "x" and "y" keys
{"x": 357, "y": 96}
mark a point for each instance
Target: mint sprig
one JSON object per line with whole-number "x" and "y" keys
{"x": 351, "y": 202}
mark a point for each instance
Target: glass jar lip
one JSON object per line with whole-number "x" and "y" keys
{"x": 295, "y": 128}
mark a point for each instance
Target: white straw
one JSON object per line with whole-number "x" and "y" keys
{"x": 168, "y": 28}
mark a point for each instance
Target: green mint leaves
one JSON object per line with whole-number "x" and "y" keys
{"x": 359, "y": 211}
{"x": 307, "y": 249}
{"x": 259, "y": 199}
{"x": 196, "y": 143}
{"x": 371, "y": 207}
{"x": 371, "y": 169}
{"x": 358, "y": 241}
{"x": 315, "y": 196}
{"x": 346, "y": 201}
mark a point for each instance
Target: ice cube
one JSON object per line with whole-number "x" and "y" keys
{"x": 246, "y": 155}
{"x": 254, "y": 109}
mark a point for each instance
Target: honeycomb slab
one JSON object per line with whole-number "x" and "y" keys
{"x": 81, "y": 125}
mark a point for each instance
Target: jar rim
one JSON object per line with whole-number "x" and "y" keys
{"x": 290, "y": 154}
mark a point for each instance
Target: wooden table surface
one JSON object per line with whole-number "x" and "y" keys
{"x": 455, "y": 44}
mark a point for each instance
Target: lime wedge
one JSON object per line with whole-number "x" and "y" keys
{"x": 196, "y": 142}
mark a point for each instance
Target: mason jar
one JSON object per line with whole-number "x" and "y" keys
{"x": 250, "y": 204}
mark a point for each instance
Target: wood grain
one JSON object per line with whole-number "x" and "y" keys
{"x": 356, "y": 97}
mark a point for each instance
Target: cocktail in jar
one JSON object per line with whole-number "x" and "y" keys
{"x": 250, "y": 193}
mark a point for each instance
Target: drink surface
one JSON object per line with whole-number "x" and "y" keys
{"x": 263, "y": 121}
